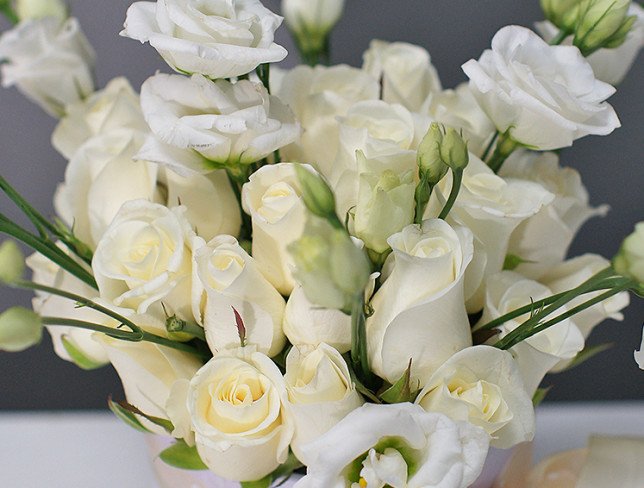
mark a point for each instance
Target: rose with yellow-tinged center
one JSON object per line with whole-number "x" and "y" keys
{"x": 545, "y": 238}
{"x": 272, "y": 197}
{"x": 320, "y": 391}
{"x": 491, "y": 207}
{"x": 145, "y": 258}
{"x": 236, "y": 404}
{"x": 419, "y": 311}
{"x": 537, "y": 355}
{"x": 225, "y": 276}
{"x": 482, "y": 385}
{"x": 405, "y": 72}
{"x": 317, "y": 95}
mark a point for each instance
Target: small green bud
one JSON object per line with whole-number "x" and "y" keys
{"x": 429, "y": 157}
{"x": 19, "y": 329}
{"x": 629, "y": 262}
{"x": 600, "y": 23}
{"x": 12, "y": 262}
{"x": 454, "y": 151}
{"x": 619, "y": 37}
{"x": 36, "y": 9}
{"x": 562, "y": 13}
{"x": 316, "y": 193}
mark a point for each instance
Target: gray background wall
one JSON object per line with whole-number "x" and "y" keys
{"x": 453, "y": 31}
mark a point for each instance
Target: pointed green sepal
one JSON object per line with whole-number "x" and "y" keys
{"x": 127, "y": 417}
{"x": 181, "y": 455}
{"x": 402, "y": 391}
{"x": 512, "y": 262}
{"x": 78, "y": 357}
{"x": 163, "y": 423}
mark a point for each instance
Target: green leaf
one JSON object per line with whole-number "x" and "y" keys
{"x": 126, "y": 416}
{"x": 163, "y": 423}
{"x": 513, "y": 261}
{"x": 401, "y": 391}
{"x": 263, "y": 483}
{"x": 181, "y": 455}
{"x": 78, "y": 357}
{"x": 587, "y": 353}
{"x": 540, "y": 396}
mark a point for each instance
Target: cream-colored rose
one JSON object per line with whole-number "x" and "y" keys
{"x": 145, "y": 259}
{"x": 272, "y": 197}
{"x": 419, "y": 312}
{"x": 306, "y": 323}
{"x": 223, "y": 123}
{"x": 50, "y": 61}
{"x": 492, "y": 208}
{"x": 482, "y": 385}
{"x": 544, "y": 239}
{"x": 537, "y": 355}
{"x": 317, "y": 96}
{"x": 320, "y": 391}
{"x": 219, "y": 39}
{"x": 405, "y": 72}
{"x": 115, "y": 107}
{"x": 236, "y": 404}
{"x": 226, "y": 277}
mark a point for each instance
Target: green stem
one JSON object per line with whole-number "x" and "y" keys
{"x": 489, "y": 147}
{"x": 504, "y": 147}
{"x": 422, "y": 196}
{"x": 457, "y": 180}
{"x": 237, "y": 182}
{"x": 559, "y": 38}
{"x": 359, "y": 353}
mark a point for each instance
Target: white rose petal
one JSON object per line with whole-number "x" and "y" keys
{"x": 639, "y": 355}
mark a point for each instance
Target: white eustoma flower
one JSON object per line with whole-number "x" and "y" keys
{"x": 50, "y": 61}
{"x": 312, "y": 18}
{"x": 320, "y": 391}
{"x": 220, "y": 122}
{"x": 306, "y": 323}
{"x": 482, "y": 385}
{"x": 236, "y": 404}
{"x": 273, "y": 198}
{"x": 226, "y": 277}
{"x": 545, "y": 96}
{"x": 491, "y": 207}
{"x": 145, "y": 258}
{"x": 639, "y": 355}
{"x": 405, "y": 71}
{"x": 317, "y": 96}
{"x": 544, "y": 239}
{"x": 419, "y": 312}
{"x": 537, "y": 355}
{"x": 400, "y": 445}
{"x": 218, "y": 38}
{"x": 115, "y": 107}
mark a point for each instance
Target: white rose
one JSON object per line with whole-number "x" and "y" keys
{"x": 227, "y": 277}
{"x": 545, "y": 96}
{"x": 144, "y": 258}
{"x": 219, "y": 39}
{"x": 320, "y": 391}
{"x": 306, "y": 323}
{"x": 35, "y": 9}
{"x": 272, "y": 197}
{"x": 405, "y": 72}
{"x": 236, "y": 404}
{"x": 222, "y": 122}
{"x": 50, "y": 61}
{"x": 115, "y": 107}
{"x": 544, "y": 239}
{"x": 419, "y": 312}
{"x": 482, "y": 385}
{"x": 610, "y": 65}
{"x": 396, "y": 445}
{"x": 537, "y": 355}
{"x": 317, "y": 96}
{"x": 312, "y": 18}
{"x": 491, "y": 207}
{"x": 639, "y": 355}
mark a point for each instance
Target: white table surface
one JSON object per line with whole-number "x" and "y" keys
{"x": 95, "y": 450}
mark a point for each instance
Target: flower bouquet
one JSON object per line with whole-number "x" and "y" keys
{"x": 350, "y": 277}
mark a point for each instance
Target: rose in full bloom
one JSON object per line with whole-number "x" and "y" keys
{"x": 545, "y": 96}
{"x": 218, "y": 38}
{"x": 405, "y": 71}
{"x": 419, "y": 311}
{"x": 320, "y": 391}
{"x": 145, "y": 258}
{"x": 236, "y": 402}
{"x": 396, "y": 445}
{"x": 221, "y": 123}
{"x": 227, "y": 277}
{"x": 50, "y": 61}
{"x": 482, "y": 385}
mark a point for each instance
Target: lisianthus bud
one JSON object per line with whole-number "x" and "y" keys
{"x": 629, "y": 261}
{"x": 310, "y": 21}
{"x": 330, "y": 267}
{"x": 602, "y": 23}
{"x": 19, "y": 329}
{"x": 36, "y": 9}
{"x": 454, "y": 150}
{"x": 562, "y": 13}
{"x": 316, "y": 193}
{"x": 430, "y": 161}
{"x": 12, "y": 262}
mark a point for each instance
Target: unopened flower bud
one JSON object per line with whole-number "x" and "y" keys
{"x": 36, "y": 9}
{"x": 562, "y": 13}
{"x": 602, "y": 23}
{"x": 310, "y": 21}
{"x": 629, "y": 262}
{"x": 454, "y": 150}
{"x": 19, "y": 329}
{"x": 12, "y": 262}
{"x": 430, "y": 162}
{"x": 316, "y": 193}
